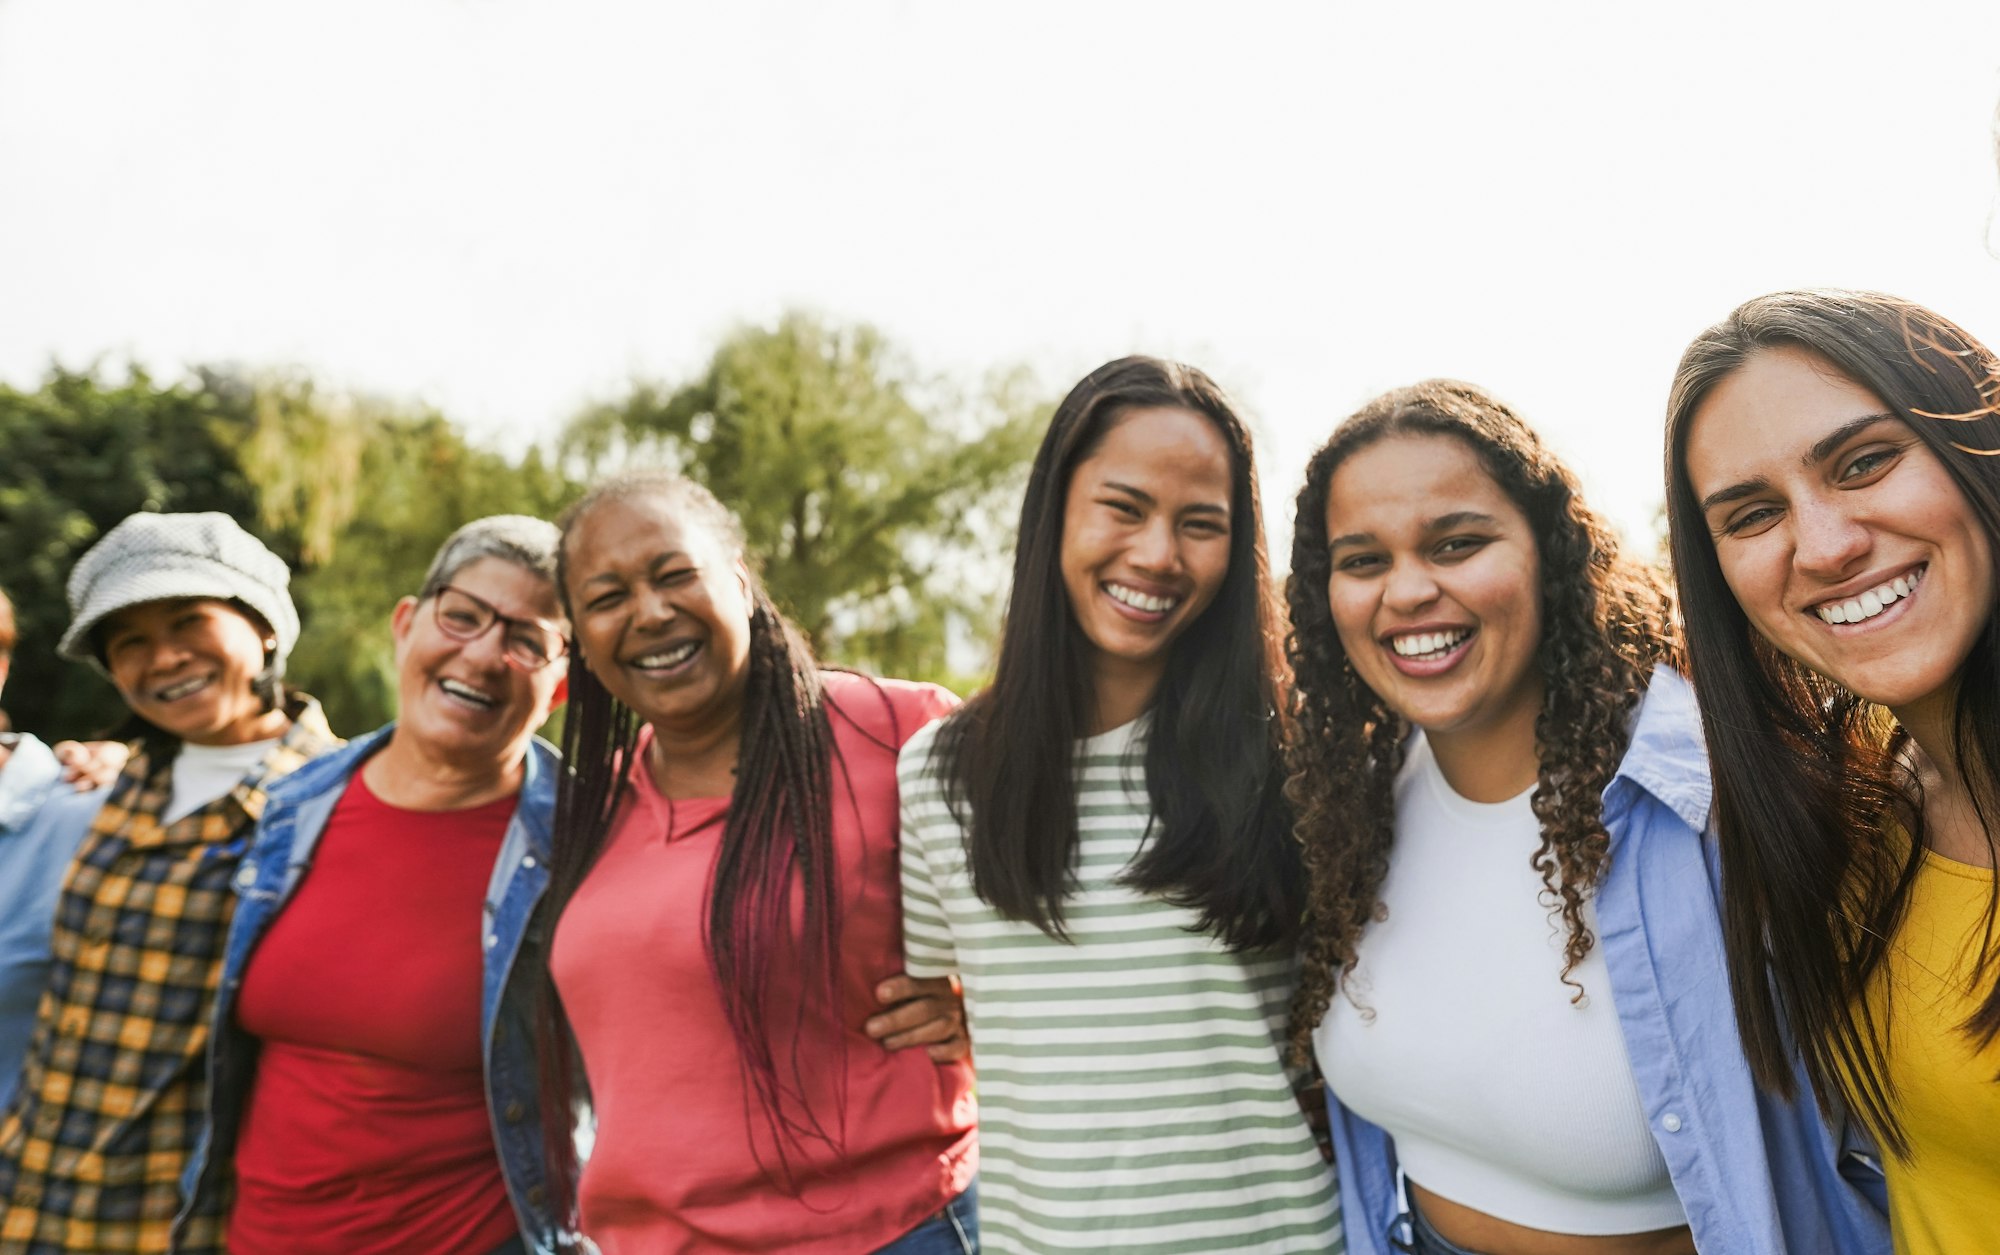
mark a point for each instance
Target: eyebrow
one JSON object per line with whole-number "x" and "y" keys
{"x": 1200, "y": 507}
{"x": 1821, "y": 449}
{"x": 652, "y": 566}
{"x": 1443, "y": 522}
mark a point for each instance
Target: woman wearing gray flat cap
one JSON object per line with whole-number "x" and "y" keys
{"x": 191, "y": 619}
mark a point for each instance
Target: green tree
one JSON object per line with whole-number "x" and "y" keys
{"x": 370, "y": 491}
{"x": 875, "y": 496}
{"x": 76, "y": 455}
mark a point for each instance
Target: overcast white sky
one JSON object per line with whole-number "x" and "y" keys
{"x": 508, "y": 208}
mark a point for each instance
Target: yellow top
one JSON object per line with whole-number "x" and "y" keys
{"x": 1945, "y": 1198}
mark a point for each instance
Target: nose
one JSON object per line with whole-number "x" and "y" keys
{"x": 489, "y": 648}
{"x": 1828, "y": 542}
{"x": 652, "y": 609}
{"x": 167, "y": 656}
{"x": 1409, "y": 586}
{"x": 1156, "y": 548}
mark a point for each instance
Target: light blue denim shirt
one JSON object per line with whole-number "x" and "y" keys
{"x": 41, "y": 823}
{"x": 1756, "y": 1174}
{"x": 279, "y": 858}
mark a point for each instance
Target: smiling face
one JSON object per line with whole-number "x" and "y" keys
{"x": 1145, "y": 542}
{"x": 188, "y": 666}
{"x": 1436, "y": 592}
{"x": 662, "y": 610}
{"x": 1848, "y": 545}
{"x": 460, "y": 698}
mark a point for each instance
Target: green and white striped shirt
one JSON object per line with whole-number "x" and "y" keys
{"x": 1132, "y": 1093}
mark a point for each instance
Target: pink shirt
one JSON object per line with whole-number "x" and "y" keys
{"x": 673, "y": 1168}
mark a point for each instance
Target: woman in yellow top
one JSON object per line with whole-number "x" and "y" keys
{"x": 1833, "y": 468}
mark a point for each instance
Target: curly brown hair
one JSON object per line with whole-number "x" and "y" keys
{"x": 1606, "y": 621}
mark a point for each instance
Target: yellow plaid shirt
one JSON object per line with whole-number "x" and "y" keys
{"x": 115, "y": 1083}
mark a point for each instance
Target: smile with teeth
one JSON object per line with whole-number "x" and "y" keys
{"x": 1140, "y": 601}
{"x": 1870, "y": 603}
{"x": 174, "y": 692}
{"x": 667, "y": 659}
{"x": 1429, "y": 645}
{"x": 466, "y": 692}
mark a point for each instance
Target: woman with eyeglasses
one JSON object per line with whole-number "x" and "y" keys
{"x": 373, "y": 1087}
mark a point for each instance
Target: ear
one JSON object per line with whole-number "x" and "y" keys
{"x": 401, "y": 618}
{"x": 744, "y": 584}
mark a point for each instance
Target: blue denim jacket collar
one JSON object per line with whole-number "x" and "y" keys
{"x": 1756, "y": 1174}
{"x": 282, "y": 851}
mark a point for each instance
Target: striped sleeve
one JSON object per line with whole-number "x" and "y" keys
{"x": 927, "y": 941}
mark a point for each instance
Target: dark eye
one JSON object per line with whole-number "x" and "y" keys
{"x": 1866, "y": 463}
{"x": 679, "y": 575}
{"x": 605, "y": 601}
{"x": 1750, "y": 520}
{"x": 1123, "y": 509}
{"x": 1359, "y": 564}
{"x": 1461, "y": 546}
{"x": 459, "y": 617}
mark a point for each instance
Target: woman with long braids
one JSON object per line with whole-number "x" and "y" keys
{"x": 723, "y": 907}
{"x": 1834, "y": 492}
{"x": 1511, "y": 935}
{"x": 1097, "y": 843}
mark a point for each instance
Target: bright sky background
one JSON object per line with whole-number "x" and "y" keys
{"x": 507, "y": 209}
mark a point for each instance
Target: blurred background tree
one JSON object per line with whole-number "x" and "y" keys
{"x": 880, "y": 499}
{"x": 355, "y": 495}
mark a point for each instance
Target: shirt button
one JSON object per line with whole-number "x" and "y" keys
{"x": 528, "y": 861}
{"x": 514, "y": 1112}
{"x": 492, "y": 940}
{"x": 1670, "y": 1122}
{"x": 537, "y": 1195}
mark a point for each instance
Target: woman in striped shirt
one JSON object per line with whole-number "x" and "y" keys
{"x": 1097, "y": 846}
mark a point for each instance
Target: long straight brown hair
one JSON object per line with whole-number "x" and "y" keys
{"x": 1805, "y": 772}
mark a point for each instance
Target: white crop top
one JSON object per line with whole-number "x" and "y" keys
{"x": 1500, "y": 1094}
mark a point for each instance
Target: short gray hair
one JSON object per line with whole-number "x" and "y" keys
{"x": 528, "y": 543}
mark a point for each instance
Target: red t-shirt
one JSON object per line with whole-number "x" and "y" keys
{"x": 673, "y": 1168}
{"x": 366, "y": 1129}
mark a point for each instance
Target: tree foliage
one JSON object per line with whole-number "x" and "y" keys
{"x": 868, "y": 491}
{"x": 356, "y": 495}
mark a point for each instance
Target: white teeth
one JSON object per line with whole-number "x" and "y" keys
{"x": 668, "y": 658}
{"x": 177, "y": 691}
{"x": 1420, "y": 644}
{"x": 1142, "y": 601}
{"x": 467, "y": 692}
{"x": 1872, "y": 602}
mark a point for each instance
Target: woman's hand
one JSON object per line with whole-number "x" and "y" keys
{"x": 91, "y": 764}
{"x": 921, "y": 1012}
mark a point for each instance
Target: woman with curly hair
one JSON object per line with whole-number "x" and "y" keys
{"x": 1834, "y": 493}
{"x": 1511, "y": 933}
{"x": 1097, "y": 844}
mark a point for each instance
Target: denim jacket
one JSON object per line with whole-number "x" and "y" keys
{"x": 278, "y": 860}
{"x": 1757, "y": 1175}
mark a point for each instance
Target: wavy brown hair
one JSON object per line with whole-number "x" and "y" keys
{"x": 1606, "y": 620}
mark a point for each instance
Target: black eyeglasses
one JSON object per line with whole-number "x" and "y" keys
{"x": 526, "y": 644}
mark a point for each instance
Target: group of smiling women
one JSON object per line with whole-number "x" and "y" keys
{"x": 1613, "y": 927}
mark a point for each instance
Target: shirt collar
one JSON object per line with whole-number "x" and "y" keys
{"x": 1667, "y": 756}
{"x": 31, "y": 771}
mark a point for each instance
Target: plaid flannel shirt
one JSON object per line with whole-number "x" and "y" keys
{"x": 111, "y": 1098}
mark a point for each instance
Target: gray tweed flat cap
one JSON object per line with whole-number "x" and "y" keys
{"x": 155, "y": 557}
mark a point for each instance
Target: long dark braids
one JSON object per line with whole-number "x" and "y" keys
{"x": 1606, "y": 620}
{"x": 778, "y": 834}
